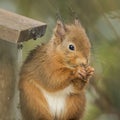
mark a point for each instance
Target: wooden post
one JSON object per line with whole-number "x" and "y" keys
{"x": 8, "y": 76}
{"x": 14, "y": 29}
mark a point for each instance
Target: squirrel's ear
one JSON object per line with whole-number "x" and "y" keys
{"x": 77, "y": 22}
{"x": 60, "y": 29}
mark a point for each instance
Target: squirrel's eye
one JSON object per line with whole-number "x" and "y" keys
{"x": 71, "y": 47}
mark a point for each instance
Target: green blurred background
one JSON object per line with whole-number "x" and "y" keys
{"x": 101, "y": 19}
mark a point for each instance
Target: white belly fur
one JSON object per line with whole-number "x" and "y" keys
{"x": 57, "y": 100}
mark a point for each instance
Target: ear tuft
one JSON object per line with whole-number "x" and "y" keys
{"x": 77, "y": 22}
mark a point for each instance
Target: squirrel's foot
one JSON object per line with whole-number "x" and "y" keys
{"x": 80, "y": 73}
{"x": 89, "y": 73}
{"x": 84, "y": 74}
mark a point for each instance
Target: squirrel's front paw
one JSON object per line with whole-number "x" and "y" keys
{"x": 89, "y": 73}
{"x": 80, "y": 73}
{"x": 83, "y": 73}
{"x": 82, "y": 76}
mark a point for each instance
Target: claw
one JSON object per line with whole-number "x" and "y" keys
{"x": 82, "y": 74}
{"x": 90, "y": 71}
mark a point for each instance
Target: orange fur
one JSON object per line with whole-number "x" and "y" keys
{"x": 49, "y": 71}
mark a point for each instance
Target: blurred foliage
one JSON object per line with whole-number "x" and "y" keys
{"x": 101, "y": 20}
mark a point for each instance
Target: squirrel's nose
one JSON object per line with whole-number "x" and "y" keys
{"x": 82, "y": 62}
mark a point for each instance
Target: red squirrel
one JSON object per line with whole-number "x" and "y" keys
{"x": 53, "y": 77}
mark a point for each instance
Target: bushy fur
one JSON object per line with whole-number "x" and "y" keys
{"x": 54, "y": 73}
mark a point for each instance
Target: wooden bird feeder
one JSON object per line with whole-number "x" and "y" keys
{"x": 14, "y": 29}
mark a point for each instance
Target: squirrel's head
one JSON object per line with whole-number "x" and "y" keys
{"x": 71, "y": 44}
